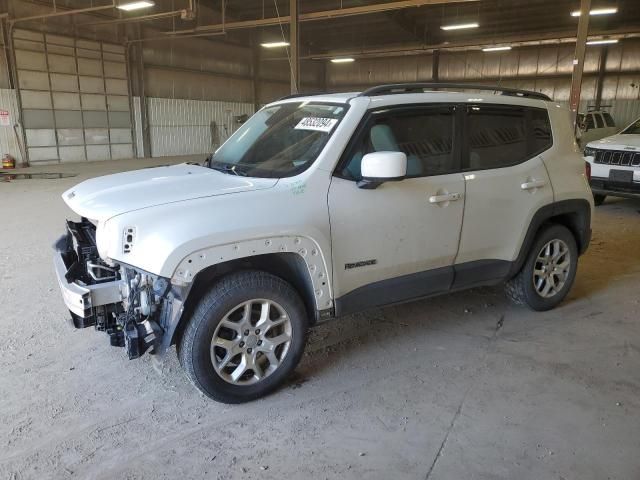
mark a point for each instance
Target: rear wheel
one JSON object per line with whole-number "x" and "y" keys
{"x": 244, "y": 338}
{"x": 598, "y": 199}
{"x": 549, "y": 271}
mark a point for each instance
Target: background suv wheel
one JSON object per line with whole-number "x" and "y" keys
{"x": 245, "y": 337}
{"x": 548, "y": 272}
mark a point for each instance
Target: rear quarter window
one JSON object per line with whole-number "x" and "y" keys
{"x": 608, "y": 120}
{"x": 502, "y": 136}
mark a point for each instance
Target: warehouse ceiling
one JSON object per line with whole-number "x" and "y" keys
{"x": 403, "y": 27}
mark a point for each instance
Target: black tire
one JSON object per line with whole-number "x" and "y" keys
{"x": 521, "y": 289}
{"x": 194, "y": 348}
{"x": 598, "y": 199}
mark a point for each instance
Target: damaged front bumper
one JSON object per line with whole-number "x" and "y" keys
{"x": 81, "y": 300}
{"x": 134, "y": 308}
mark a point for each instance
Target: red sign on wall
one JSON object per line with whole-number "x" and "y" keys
{"x": 4, "y": 118}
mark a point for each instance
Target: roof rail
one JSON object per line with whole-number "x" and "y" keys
{"x": 296, "y": 95}
{"x": 421, "y": 87}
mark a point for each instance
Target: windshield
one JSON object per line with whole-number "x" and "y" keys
{"x": 279, "y": 141}
{"x": 634, "y": 128}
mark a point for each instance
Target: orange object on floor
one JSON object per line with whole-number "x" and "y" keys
{"x": 8, "y": 161}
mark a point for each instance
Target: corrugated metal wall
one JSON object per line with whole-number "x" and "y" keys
{"x": 546, "y": 68}
{"x": 181, "y": 127}
{"x": 8, "y": 142}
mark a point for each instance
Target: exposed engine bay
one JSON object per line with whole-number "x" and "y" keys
{"x": 126, "y": 303}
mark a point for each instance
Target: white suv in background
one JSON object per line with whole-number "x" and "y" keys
{"x": 594, "y": 126}
{"x": 321, "y": 206}
{"x": 614, "y": 164}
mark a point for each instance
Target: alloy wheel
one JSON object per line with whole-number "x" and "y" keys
{"x": 551, "y": 268}
{"x": 251, "y": 341}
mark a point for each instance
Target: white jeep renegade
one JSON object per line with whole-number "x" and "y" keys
{"x": 321, "y": 206}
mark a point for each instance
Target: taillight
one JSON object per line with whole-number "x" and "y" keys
{"x": 587, "y": 170}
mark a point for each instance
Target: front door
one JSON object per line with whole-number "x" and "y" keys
{"x": 398, "y": 241}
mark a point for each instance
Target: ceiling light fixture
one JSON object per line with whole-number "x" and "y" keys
{"x": 597, "y": 11}
{"x": 460, "y": 26}
{"x": 602, "y": 42}
{"x": 275, "y": 44}
{"x": 136, "y": 5}
{"x": 496, "y": 49}
{"x": 343, "y": 60}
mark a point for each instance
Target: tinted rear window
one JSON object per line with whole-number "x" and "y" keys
{"x": 608, "y": 120}
{"x": 504, "y": 136}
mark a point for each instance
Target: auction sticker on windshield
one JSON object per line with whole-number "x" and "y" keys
{"x": 316, "y": 124}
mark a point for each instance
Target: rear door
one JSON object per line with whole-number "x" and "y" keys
{"x": 505, "y": 184}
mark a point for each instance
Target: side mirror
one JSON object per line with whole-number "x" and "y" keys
{"x": 380, "y": 167}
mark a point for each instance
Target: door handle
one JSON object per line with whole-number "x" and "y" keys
{"x": 449, "y": 197}
{"x": 533, "y": 184}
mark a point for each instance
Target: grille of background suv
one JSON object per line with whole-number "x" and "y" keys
{"x": 617, "y": 157}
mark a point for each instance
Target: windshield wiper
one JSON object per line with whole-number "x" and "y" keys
{"x": 229, "y": 169}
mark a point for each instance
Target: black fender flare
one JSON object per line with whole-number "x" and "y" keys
{"x": 574, "y": 214}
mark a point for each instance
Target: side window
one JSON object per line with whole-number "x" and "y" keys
{"x": 608, "y": 120}
{"x": 599, "y": 122}
{"x": 540, "y": 131}
{"x": 497, "y": 136}
{"x": 504, "y": 136}
{"x": 425, "y": 135}
{"x": 589, "y": 125}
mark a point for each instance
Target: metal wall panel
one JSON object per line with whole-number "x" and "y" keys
{"x": 41, "y": 137}
{"x": 180, "y": 127}
{"x": 98, "y": 152}
{"x": 197, "y": 54}
{"x": 68, "y": 119}
{"x": 91, "y": 101}
{"x": 121, "y": 151}
{"x": 116, "y": 87}
{"x": 66, "y": 101}
{"x": 72, "y": 154}
{"x": 118, "y": 103}
{"x": 65, "y": 108}
{"x": 62, "y": 83}
{"x": 33, "y": 80}
{"x": 168, "y": 83}
{"x": 29, "y": 60}
{"x": 36, "y": 99}
{"x": 70, "y": 136}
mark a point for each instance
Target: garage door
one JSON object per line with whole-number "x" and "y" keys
{"x": 74, "y": 94}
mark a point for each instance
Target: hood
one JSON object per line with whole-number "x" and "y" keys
{"x": 104, "y": 197}
{"x": 618, "y": 142}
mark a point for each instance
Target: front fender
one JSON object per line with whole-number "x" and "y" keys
{"x": 306, "y": 247}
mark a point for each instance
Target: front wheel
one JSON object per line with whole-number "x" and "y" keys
{"x": 245, "y": 337}
{"x": 549, "y": 271}
{"x": 598, "y": 199}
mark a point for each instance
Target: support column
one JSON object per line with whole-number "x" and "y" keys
{"x": 138, "y": 89}
{"x": 255, "y": 73}
{"x": 294, "y": 40}
{"x": 435, "y": 66}
{"x": 578, "y": 60}
{"x": 601, "y": 72}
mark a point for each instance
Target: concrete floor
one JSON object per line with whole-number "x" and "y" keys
{"x": 463, "y": 386}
